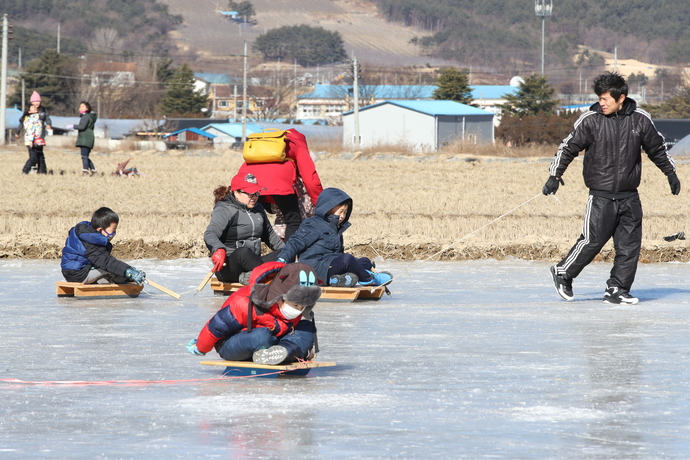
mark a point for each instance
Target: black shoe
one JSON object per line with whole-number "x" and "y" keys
{"x": 616, "y": 295}
{"x": 344, "y": 280}
{"x": 564, "y": 286}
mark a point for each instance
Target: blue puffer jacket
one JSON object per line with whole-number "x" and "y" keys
{"x": 86, "y": 247}
{"x": 319, "y": 239}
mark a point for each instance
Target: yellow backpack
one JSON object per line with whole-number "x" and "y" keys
{"x": 267, "y": 146}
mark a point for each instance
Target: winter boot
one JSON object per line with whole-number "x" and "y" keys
{"x": 377, "y": 279}
{"x": 244, "y": 278}
{"x": 271, "y": 356}
{"x": 344, "y": 280}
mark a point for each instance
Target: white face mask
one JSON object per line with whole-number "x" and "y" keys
{"x": 289, "y": 312}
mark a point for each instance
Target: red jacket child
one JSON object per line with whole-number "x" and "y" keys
{"x": 274, "y": 289}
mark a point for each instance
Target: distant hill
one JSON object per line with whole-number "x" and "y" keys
{"x": 481, "y": 32}
{"x": 118, "y": 28}
{"x": 365, "y": 32}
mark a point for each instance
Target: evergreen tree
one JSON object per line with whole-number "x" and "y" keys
{"x": 44, "y": 75}
{"x": 246, "y": 9}
{"x": 534, "y": 96}
{"x": 181, "y": 98}
{"x": 676, "y": 107}
{"x": 453, "y": 85}
{"x": 310, "y": 46}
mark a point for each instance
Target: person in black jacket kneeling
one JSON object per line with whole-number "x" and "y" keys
{"x": 86, "y": 256}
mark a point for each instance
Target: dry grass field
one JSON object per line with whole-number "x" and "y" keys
{"x": 405, "y": 206}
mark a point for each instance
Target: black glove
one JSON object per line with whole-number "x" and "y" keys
{"x": 674, "y": 182}
{"x": 551, "y": 186}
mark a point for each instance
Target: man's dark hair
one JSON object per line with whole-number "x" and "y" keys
{"x": 103, "y": 217}
{"x": 612, "y": 83}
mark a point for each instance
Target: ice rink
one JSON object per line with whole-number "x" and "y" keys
{"x": 475, "y": 360}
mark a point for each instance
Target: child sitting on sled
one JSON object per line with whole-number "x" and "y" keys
{"x": 86, "y": 256}
{"x": 266, "y": 322}
{"x": 319, "y": 243}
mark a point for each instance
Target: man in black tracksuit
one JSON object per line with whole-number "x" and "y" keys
{"x": 612, "y": 133}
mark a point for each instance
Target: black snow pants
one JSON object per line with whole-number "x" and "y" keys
{"x": 606, "y": 218}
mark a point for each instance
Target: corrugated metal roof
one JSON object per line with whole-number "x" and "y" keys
{"x": 407, "y": 92}
{"x": 434, "y": 108}
{"x": 492, "y": 91}
{"x": 217, "y": 78}
{"x": 233, "y": 129}
{"x": 193, "y": 130}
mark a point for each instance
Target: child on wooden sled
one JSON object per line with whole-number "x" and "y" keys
{"x": 86, "y": 256}
{"x": 319, "y": 243}
{"x": 265, "y": 321}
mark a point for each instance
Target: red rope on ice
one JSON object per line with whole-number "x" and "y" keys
{"x": 129, "y": 382}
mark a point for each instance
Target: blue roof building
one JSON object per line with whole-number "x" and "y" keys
{"x": 421, "y": 126}
{"x": 330, "y": 101}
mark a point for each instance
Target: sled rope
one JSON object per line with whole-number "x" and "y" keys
{"x": 469, "y": 234}
{"x": 126, "y": 382}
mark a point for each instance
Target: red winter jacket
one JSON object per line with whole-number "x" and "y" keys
{"x": 232, "y": 317}
{"x": 280, "y": 178}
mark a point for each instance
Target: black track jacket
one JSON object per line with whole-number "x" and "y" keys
{"x": 613, "y": 161}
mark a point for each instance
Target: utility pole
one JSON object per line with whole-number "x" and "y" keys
{"x": 543, "y": 9}
{"x": 615, "y": 59}
{"x": 3, "y": 81}
{"x": 244, "y": 96}
{"x": 355, "y": 98}
{"x": 58, "y": 39}
{"x": 234, "y": 104}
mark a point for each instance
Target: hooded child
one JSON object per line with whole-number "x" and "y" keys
{"x": 319, "y": 243}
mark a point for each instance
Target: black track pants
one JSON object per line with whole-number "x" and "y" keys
{"x": 606, "y": 218}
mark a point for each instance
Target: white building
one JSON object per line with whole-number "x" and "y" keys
{"x": 422, "y": 126}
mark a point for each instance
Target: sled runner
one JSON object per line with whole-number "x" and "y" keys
{"x": 328, "y": 293}
{"x": 248, "y": 368}
{"x": 97, "y": 291}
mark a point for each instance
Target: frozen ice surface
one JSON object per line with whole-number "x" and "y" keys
{"x": 476, "y": 360}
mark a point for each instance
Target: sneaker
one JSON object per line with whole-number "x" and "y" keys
{"x": 244, "y": 278}
{"x": 344, "y": 280}
{"x": 378, "y": 279}
{"x": 564, "y": 286}
{"x": 271, "y": 356}
{"x": 616, "y": 295}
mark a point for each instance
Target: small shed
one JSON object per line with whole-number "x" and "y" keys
{"x": 229, "y": 133}
{"x": 189, "y": 135}
{"x": 421, "y": 126}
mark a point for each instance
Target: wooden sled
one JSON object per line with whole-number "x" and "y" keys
{"x": 248, "y": 368}
{"x": 328, "y": 293}
{"x": 97, "y": 291}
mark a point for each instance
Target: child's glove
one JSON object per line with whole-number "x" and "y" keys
{"x": 135, "y": 275}
{"x": 69, "y": 127}
{"x": 281, "y": 260}
{"x": 191, "y": 347}
{"x": 218, "y": 259}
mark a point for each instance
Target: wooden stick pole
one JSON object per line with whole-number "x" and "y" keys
{"x": 163, "y": 289}
{"x": 205, "y": 281}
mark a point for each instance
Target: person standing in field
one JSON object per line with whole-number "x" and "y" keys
{"x": 612, "y": 133}
{"x": 281, "y": 180}
{"x": 35, "y": 122}
{"x": 85, "y": 138}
